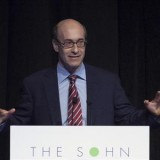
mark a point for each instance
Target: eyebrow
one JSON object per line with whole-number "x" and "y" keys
{"x": 72, "y": 39}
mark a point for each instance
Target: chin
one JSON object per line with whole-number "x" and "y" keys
{"x": 72, "y": 68}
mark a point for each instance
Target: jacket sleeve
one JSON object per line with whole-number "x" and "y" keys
{"x": 125, "y": 112}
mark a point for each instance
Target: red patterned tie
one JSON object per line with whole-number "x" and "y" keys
{"x": 74, "y": 105}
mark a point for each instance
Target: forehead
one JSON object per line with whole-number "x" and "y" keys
{"x": 70, "y": 30}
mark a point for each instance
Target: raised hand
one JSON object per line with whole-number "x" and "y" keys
{"x": 4, "y": 114}
{"x": 154, "y": 105}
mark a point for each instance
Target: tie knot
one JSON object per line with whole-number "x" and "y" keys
{"x": 72, "y": 78}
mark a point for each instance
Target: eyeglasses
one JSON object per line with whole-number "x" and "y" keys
{"x": 69, "y": 44}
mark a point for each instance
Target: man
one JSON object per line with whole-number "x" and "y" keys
{"x": 100, "y": 98}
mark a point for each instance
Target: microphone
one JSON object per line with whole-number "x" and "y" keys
{"x": 74, "y": 100}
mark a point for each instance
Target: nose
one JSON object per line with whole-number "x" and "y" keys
{"x": 75, "y": 49}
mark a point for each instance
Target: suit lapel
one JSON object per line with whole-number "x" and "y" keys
{"x": 52, "y": 95}
{"x": 91, "y": 94}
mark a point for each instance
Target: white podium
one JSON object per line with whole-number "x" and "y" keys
{"x": 79, "y": 143}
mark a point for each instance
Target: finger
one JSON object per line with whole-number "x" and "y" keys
{"x": 146, "y": 102}
{"x": 4, "y": 112}
{"x": 12, "y": 110}
{"x": 157, "y": 97}
{"x": 150, "y": 109}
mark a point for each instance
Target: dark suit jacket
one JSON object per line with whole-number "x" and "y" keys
{"x": 107, "y": 103}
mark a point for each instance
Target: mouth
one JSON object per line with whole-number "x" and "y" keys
{"x": 74, "y": 57}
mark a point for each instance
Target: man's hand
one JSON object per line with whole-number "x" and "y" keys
{"x": 4, "y": 114}
{"x": 154, "y": 105}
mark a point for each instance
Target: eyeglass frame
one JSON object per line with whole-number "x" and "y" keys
{"x": 73, "y": 43}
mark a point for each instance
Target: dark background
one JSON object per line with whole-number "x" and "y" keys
{"x": 123, "y": 36}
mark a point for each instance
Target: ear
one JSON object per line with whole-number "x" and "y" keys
{"x": 55, "y": 45}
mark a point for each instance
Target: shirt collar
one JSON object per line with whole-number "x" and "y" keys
{"x": 63, "y": 73}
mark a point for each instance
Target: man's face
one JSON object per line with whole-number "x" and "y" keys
{"x": 70, "y": 58}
